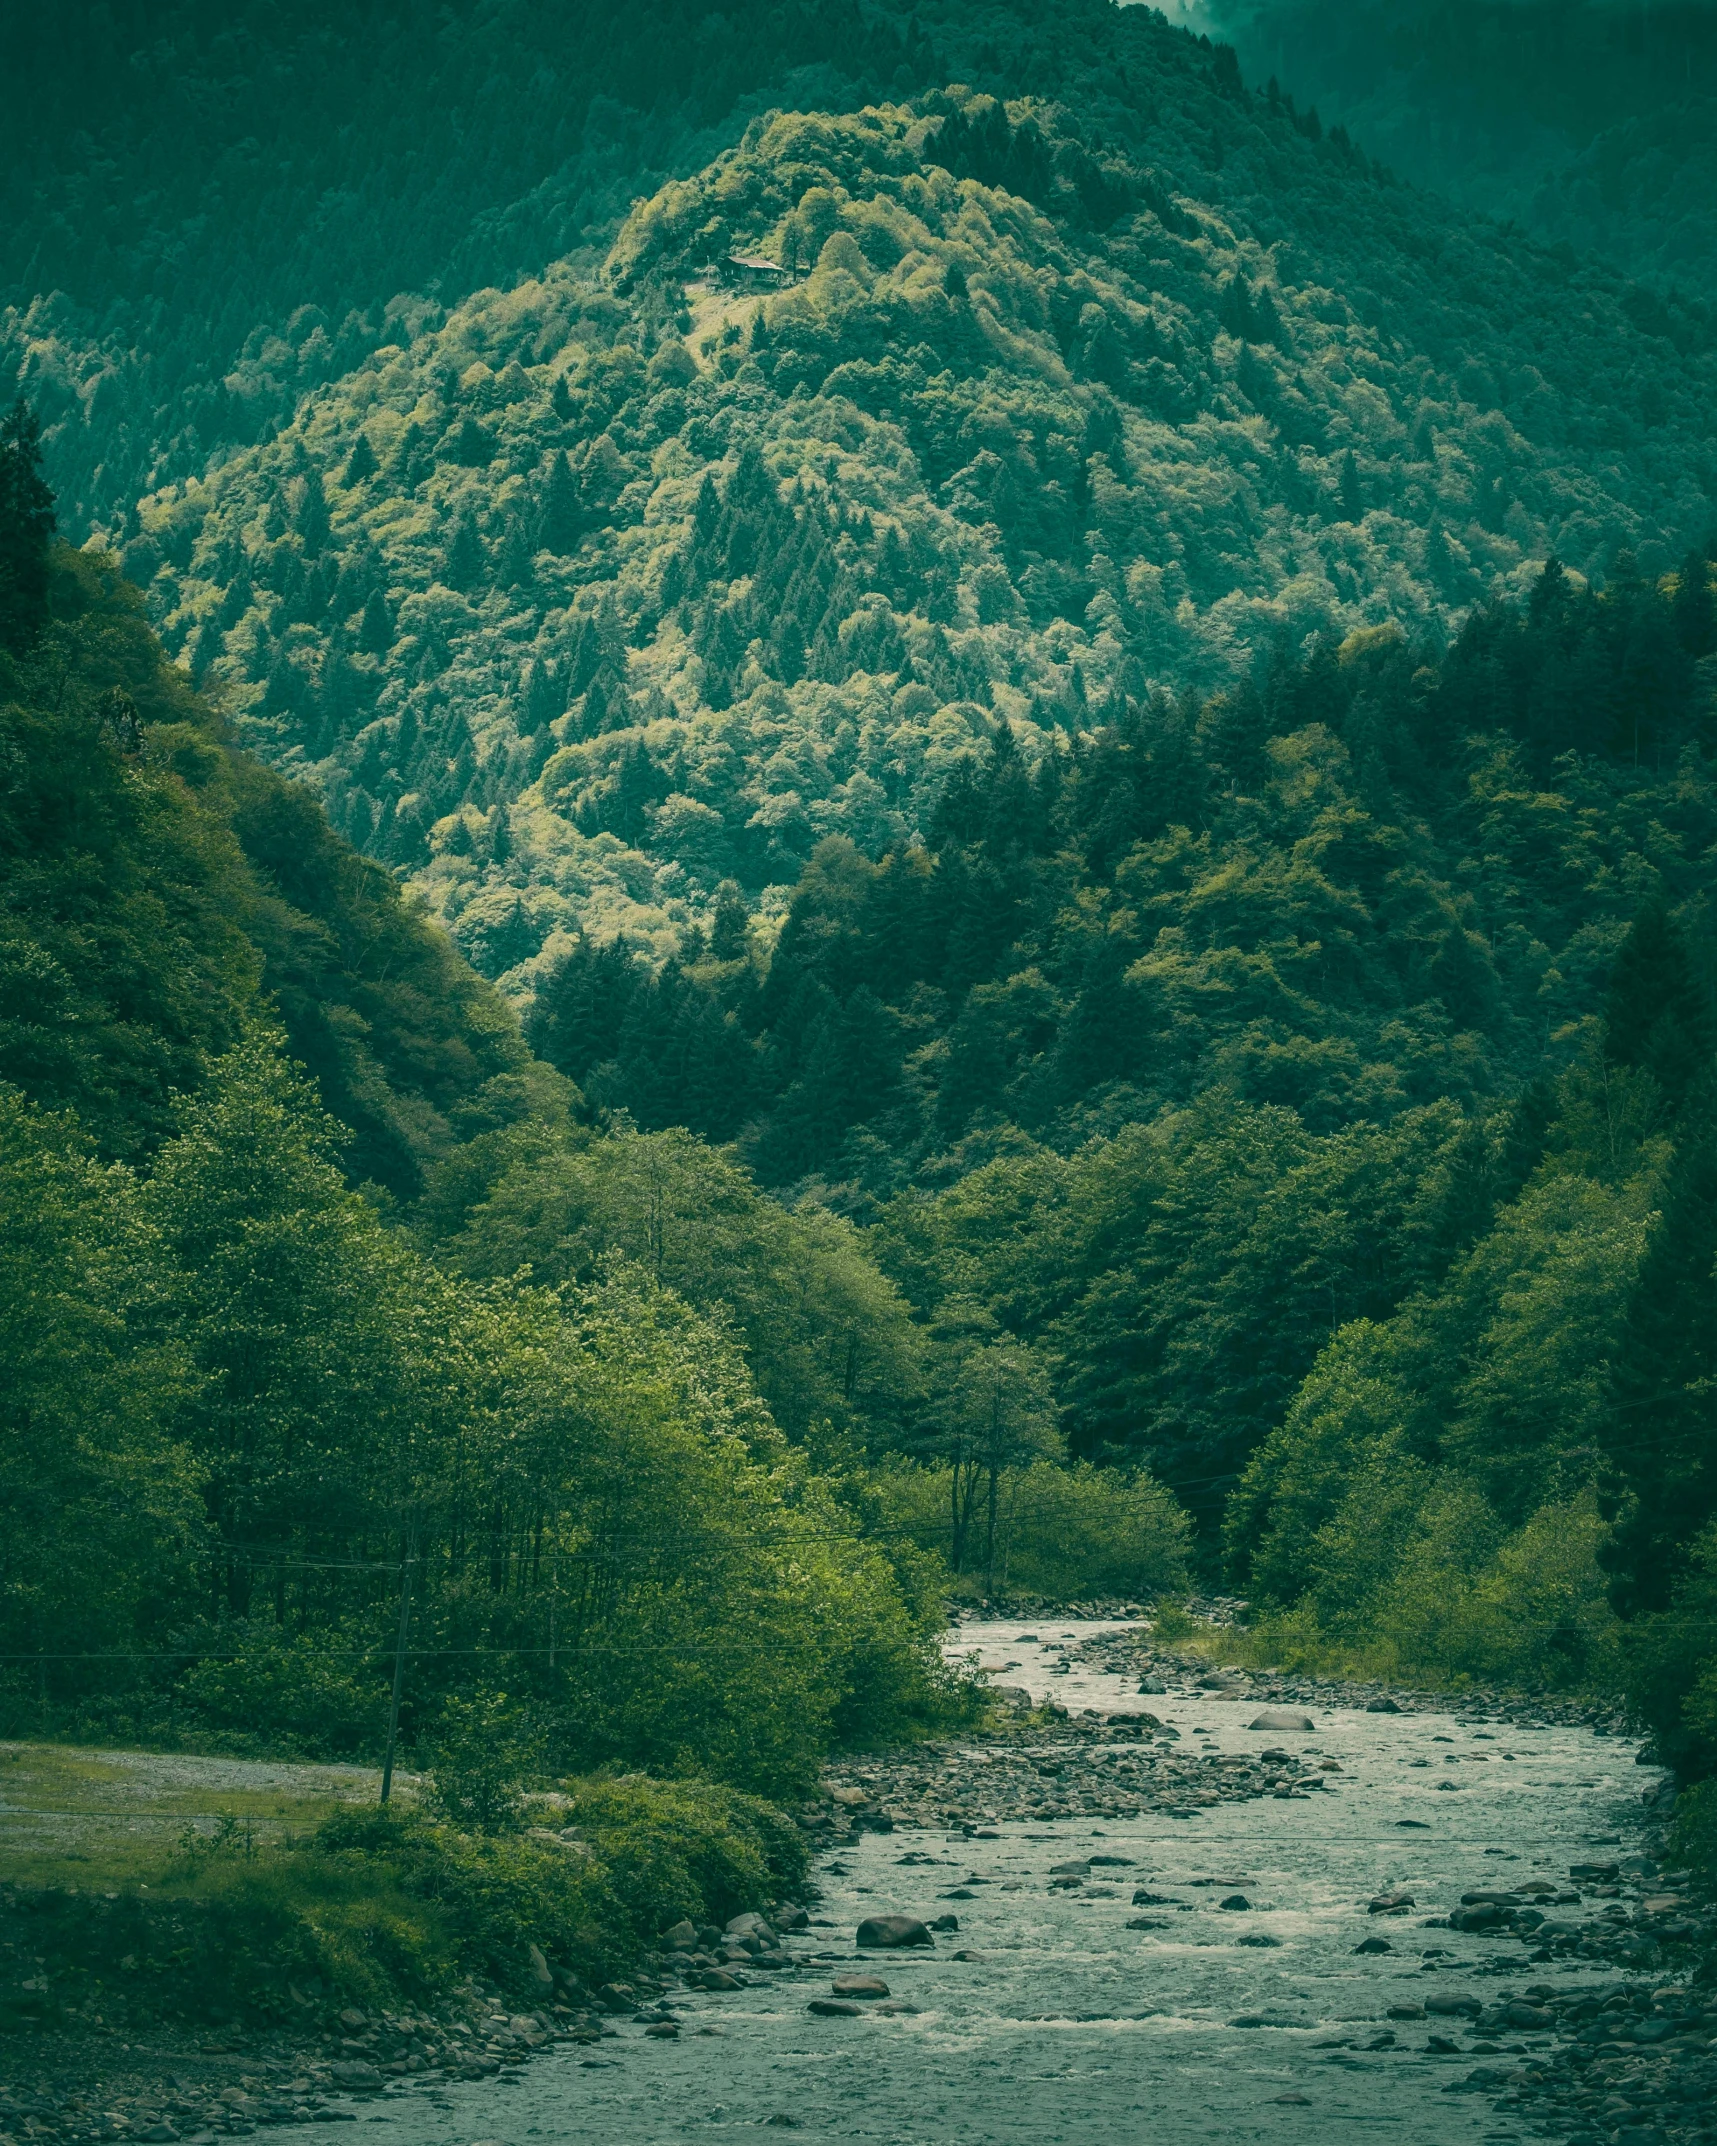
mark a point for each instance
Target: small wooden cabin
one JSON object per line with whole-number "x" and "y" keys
{"x": 752, "y": 272}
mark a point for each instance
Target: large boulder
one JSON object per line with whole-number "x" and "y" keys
{"x": 891, "y": 1932}
{"x": 1281, "y": 1717}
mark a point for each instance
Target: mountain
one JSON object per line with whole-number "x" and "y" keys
{"x": 207, "y": 211}
{"x": 622, "y": 584}
{"x": 162, "y": 891}
{"x": 1589, "y": 122}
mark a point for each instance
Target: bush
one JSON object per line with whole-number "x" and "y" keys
{"x": 303, "y": 1686}
{"x": 384, "y": 1906}
{"x": 1067, "y": 1530}
{"x": 1670, "y": 1670}
{"x": 482, "y": 1749}
{"x": 688, "y": 1848}
{"x": 1415, "y": 1576}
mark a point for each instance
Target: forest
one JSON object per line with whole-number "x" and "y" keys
{"x": 1590, "y": 122}
{"x": 683, "y": 970}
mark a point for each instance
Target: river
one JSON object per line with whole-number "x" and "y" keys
{"x": 1069, "y": 2028}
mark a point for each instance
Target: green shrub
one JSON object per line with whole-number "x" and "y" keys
{"x": 1415, "y": 1576}
{"x": 687, "y": 1848}
{"x": 481, "y": 1750}
{"x": 1670, "y": 1668}
{"x": 1693, "y": 1838}
{"x": 1066, "y": 1531}
{"x": 389, "y": 1905}
{"x": 305, "y": 1687}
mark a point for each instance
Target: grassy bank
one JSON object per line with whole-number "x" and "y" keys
{"x": 263, "y": 1920}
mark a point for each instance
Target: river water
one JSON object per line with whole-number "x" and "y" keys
{"x": 1070, "y": 2029}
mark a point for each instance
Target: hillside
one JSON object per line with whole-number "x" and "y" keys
{"x": 616, "y": 586}
{"x": 1588, "y": 122}
{"x": 239, "y": 1395}
{"x": 980, "y": 781}
{"x": 161, "y": 889}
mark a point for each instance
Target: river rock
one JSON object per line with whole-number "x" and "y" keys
{"x": 890, "y": 1932}
{"x": 860, "y": 1986}
{"x": 663, "y": 2030}
{"x": 834, "y": 2008}
{"x": 1374, "y": 1944}
{"x": 1281, "y": 1717}
{"x": 750, "y": 1926}
{"x": 1238, "y": 1903}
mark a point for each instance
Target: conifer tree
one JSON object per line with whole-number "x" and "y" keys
{"x": 1352, "y": 496}
{"x": 1695, "y": 605}
{"x": 26, "y": 528}
{"x": 312, "y": 521}
{"x": 561, "y": 520}
{"x": 465, "y": 564}
{"x": 1658, "y": 1017}
{"x": 361, "y": 463}
{"x": 375, "y": 629}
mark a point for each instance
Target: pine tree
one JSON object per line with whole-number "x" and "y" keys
{"x": 375, "y": 629}
{"x": 730, "y": 927}
{"x": 517, "y": 568}
{"x": 26, "y": 529}
{"x": 1352, "y": 497}
{"x": 1658, "y": 1017}
{"x": 465, "y": 564}
{"x": 361, "y": 463}
{"x": 472, "y": 446}
{"x": 312, "y": 521}
{"x": 544, "y": 697}
{"x": 561, "y": 519}
{"x": 1695, "y": 606}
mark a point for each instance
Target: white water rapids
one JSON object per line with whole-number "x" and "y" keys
{"x": 1069, "y": 2028}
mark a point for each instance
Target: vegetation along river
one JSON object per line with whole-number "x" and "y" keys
{"x": 1063, "y": 2010}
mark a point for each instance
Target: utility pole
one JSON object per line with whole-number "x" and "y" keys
{"x": 407, "y": 1560}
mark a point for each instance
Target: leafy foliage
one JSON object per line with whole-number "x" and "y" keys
{"x": 1590, "y": 125}
{"x": 655, "y": 583}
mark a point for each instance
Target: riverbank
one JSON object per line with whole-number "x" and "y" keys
{"x": 170, "y": 1975}
{"x": 1138, "y": 1885}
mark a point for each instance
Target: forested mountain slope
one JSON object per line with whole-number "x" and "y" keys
{"x": 1591, "y": 122}
{"x": 616, "y": 586}
{"x": 237, "y": 1395}
{"x": 158, "y": 886}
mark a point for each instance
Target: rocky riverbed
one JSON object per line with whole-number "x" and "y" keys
{"x": 1165, "y": 1901}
